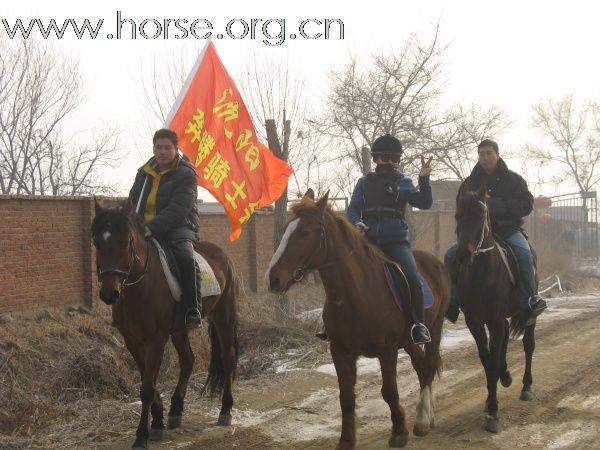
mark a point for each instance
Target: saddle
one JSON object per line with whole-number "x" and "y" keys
{"x": 399, "y": 292}
{"x": 208, "y": 283}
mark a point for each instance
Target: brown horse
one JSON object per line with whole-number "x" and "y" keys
{"x": 144, "y": 310}
{"x": 488, "y": 297}
{"x": 360, "y": 315}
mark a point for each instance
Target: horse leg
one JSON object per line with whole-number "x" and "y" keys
{"x": 157, "y": 427}
{"x": 345, "y": 366}
{"x": 505, "y": 377}
{"x": 478, "y": 332}
{"x": 389, "y": 392}
{"x": 154, "y": 354}
{"x": 224, "y": 340}
{"x": 422, "y": 421}
{"x": 432, "y": 366}
{"x": 529, "y": 347}
{"x": 493, "y": 373}
{"x": 186, "y": 364}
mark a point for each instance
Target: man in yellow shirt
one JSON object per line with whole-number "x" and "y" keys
{"x": 164, "y": 192}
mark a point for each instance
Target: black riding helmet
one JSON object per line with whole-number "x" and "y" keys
{"x": 387, "y": 145}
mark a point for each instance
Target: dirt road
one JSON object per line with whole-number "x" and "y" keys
{"x": 300, "y": 409}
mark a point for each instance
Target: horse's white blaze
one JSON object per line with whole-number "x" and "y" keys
{"x": 282, "y": 245}
{"x": 106, "y": 235}
{"x": 424, "y": 407}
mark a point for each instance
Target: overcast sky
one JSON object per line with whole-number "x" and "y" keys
{"x": 507, "y": 53}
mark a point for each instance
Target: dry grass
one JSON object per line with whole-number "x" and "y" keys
{"x": 66, "y": 377}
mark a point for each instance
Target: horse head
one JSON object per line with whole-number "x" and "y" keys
{"x": 115, "y": 238}
{"x": 472, "y": 223}
{"x": 303, "y": 247}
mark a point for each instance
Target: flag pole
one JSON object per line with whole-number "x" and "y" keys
{"x": 185, "y": 86}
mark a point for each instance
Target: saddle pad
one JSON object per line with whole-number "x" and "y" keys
{"x": 427, "y": 294}
{"x": 209, "y": 285}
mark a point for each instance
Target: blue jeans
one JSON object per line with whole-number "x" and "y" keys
{"x": 522, "y": 251}
{"x": 403, "y": 255}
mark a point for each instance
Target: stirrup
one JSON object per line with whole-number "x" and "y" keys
{"x": 424, "y": 338}
{"x": 192, "y": 318}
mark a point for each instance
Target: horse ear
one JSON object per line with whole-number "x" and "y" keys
{"x": 310, "y": 194}
{"x": 97, "y": 204}
{"x": 322, "y": 203}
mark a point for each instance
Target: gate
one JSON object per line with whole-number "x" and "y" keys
{"x": 569, "y": 224}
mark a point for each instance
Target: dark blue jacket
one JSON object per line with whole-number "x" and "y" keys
{"x": 390, "y": 230}
{"x": 510, "y": 197}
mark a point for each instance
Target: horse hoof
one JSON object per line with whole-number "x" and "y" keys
{"x": 138, "y": 446}
{"x": 224, "y": 420}
{"x": 157, "y": 434}
{"x": 420, "y": 429}
{"x": 398, "y": 441}
{"x": 526, "y": 395}
{"x": 506, "y": 380}
{"x": 491, "y": 424}
{"x": 174, "y": 422}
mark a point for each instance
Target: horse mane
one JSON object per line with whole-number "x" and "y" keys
{"x": 354, "y": 238}
{"x": 116, "y": 218}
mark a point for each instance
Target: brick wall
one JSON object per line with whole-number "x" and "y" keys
{"x": 46, "y": 256}
{"x": 45, "y": 252}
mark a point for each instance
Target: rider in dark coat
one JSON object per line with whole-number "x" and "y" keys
{"x": 378, "y": 207}
{"x": 509, "y": 201}
{"x": 164, "y": 192}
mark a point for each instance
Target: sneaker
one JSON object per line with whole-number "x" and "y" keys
{"x": 452, "y": 313}
{"x": 193, "y": 319}
{"x": 322, "y": 335}
{"x": 420, "y": 334}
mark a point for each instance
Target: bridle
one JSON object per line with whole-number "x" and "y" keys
{"x": 133, "y": 257}
{"x": 485, "y": 231}
{"x": 307, "y": 268}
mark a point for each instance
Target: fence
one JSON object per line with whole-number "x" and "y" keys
{"x": 569, "y": 224}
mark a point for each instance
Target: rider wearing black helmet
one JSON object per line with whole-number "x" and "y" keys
{"x": 378, "y": 207}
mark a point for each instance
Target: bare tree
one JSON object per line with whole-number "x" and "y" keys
{"x": 160, "y": 83}
{"x": 39, "y": 88}
{"x": 454, "y": 139}
{"x": 570, "y": 133}
{"x": 399, "y": 93}
{"x": 276, "y": 97}
{"x": 396, "y": 93}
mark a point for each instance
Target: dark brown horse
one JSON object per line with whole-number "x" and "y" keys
{"x": 360, "y": 315}
{"x": 144, "y": 310}
{"x": 488, "y": 297}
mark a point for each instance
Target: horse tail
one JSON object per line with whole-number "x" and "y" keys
{"x": 446, "y": 282}
{"x": 517, "y": 326}
{"x": 433, "y": 349}
{"x": 217, "y": 375}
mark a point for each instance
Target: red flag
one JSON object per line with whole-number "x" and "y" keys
{"x": 216, "y": 133}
